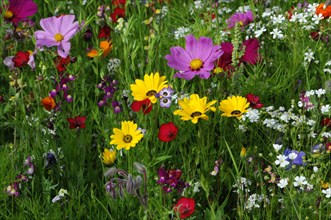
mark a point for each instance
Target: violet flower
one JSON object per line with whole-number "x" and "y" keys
{"x": 19, "y": 10}
{"x": 296, "y": 161}
{"x": 57, "y": 32}
{"x": 242, "y": 18}
{"x": 170, "y": 179}
{"x": 196, "y": 60}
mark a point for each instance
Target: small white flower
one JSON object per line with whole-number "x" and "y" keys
{"x": 309, "y": 56}
{"x": 282, "y": 183}
{"x": 277, "y": 19}
{"x": 277, "y": 34}
{"x": 300, "y": 181}
{"x": 292, "y": 156}
{"x": 325, "y": 109}
{"x": 320, "y": 92}
{"x": 277, "y": 147}
{"x": 315, "y": 169}
{"x": 259, "y": 32}
{"x": 281, "y": 161}
{"x": 327, "y": 192}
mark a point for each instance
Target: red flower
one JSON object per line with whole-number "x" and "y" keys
{"x": 117, "y": 3}
{"x": 61, "y": 63}
{"x": 145, "y": 105}
{"x": 254, "y": 100}
{"x": 21, "y": 59}
{"x": 185, "y": 207}
{"x": 167, "y": 132}
{"x": 118, "y": 13}
{"x": 77, "y": 122}
{"x": 104, "y": 32}
{"x": 326, "y": 122}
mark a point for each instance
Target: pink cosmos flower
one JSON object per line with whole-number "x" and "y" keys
{"x": 19, "y": 10}
{"x": 197, "y": 59}
{"x": 57, "y": 32}
{"x": 242, "y": 18}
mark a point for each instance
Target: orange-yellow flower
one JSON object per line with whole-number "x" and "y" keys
{"x": 324, "y": 11}
{"x": 48, "y": 103}
{"x": 105, "y": 48}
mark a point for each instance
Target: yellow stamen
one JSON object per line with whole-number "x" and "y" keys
{"x": 218, "y": 70}
{"x": 8, "y": 14}
{"x": 196, "y": 64}
{"x": 58, "y": 37}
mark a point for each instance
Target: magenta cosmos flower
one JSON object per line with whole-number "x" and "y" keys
{"x": 57, "y": 32}
{"x": 197, "y": 59}
{"x": 19, "y": 10}
{"x": 242, "y": 18}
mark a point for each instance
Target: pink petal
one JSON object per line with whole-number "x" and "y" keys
{"x": 49, "y": 25}
{"x": 63, "y": 49}
{"x": 179, "y": 58}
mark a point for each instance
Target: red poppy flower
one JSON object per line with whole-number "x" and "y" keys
{"x": 21, "y": 59}
{"x": 118, "y": 13}
{"x": 117, "y": 3}
{"x": 326, "y": 122}
{"x": 61, "y": 63}
{"x": 145, "y": 105}
{"x": 104, "y": 32}
{"x": 254, "y": 101}
{"x": 77, "y": 122}
{"x": 167, "y": 132}
{"x": 185, "y": 207}
{"x": 48, "y": 103}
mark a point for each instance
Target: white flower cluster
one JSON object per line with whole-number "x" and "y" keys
{"x": 242, "y": 185}
{"x": 254, "y": 201}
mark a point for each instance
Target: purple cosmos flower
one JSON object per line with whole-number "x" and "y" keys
{"x": 57, "y": 32}
{"x": 197, "y": 59}
{"x": 242, "y": 18}
{"x": 19, "y": 10}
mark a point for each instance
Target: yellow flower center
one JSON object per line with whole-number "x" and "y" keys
{"x": 127, "y": 138}
{"x": 241, "y": 23}
{"x": 236, "y": 113}
{"x": 8, "y": 14}
{"x": 196, "y": 64}
{"x": 151, "y": 93}
{"x": 196, "y": 114}
{"x": 58, "y": 37}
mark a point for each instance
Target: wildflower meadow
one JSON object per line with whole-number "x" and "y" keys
{"x": 165, "y": 109}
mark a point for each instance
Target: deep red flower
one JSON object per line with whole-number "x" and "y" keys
{"x": 167, "y": 132}
{"x": 326, "y": 122}
{"x": 21, "y": 59}
{"x": 104, "y": 32}
{"x": 117, "y": 3}
{"x": 185, "y": 207}
{"x": 61, "y": 63}
{"x": 145, "y": 105}
{"x": 19, "y": 10}
{"x": 254, "y": 100}
{"x": 77, "y": 122}
{"x": 250, "y": 56}
{"x": 118, "y": 13}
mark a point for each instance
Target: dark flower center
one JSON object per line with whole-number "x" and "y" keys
{"x": 151, "y": 93}
{"x": 236, "y": 112}
{"x": 127, "y": 138}
{"x": 196, "y": 114}
{"x": 165, "y": 100}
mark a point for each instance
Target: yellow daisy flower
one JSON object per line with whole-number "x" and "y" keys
{"x": 126, "y": 137}
{"x": 234, "y": 106}
{"x": 194, "y": 108}
{"x": 108, "y": 156}
{"x": 148, "y": 87}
